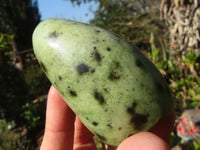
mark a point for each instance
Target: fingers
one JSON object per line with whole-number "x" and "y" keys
{"x": 143, "y": 141}
{"x": 59, "y": 130}
{"x": 83, "y": 138}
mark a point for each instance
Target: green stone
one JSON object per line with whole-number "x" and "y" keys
{"x": 111, "y": 86}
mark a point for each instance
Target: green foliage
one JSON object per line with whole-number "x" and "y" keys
{"x": 182, "y": 76}
{"x": 5, "y": 41}
{"x": 13, "y": 87}
{"x": 176, "y": 141}
{"x": 35, "y": 77}
{"x": 19, "y": 17}
{"x": 34, "y": 112}
{"x": 5, "y": 48}
{"x": 186, "y": 86}
{"x": 187, "y": 90}
{"x": 4, "y": 131}
{"x": 195, "y": 145}
{"x": 184, "y": 82}
{"x": 98, "y": 143}
{"x": 10, "y": 140}
{"x": 190, "y": 58}
{"x": 161, "y": 57}
{"x": 31, "y": 114}
{"x": 18, "y": 90}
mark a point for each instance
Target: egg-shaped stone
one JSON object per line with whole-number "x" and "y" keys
{"x": 111, "y": 86}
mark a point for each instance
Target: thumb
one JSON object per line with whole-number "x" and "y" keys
{"x": 143, "y": 141}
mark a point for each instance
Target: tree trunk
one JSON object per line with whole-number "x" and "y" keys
{"x": 183, "y": 18}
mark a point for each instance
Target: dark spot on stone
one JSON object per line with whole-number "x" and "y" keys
{"x": 108, "y": 49}
{"x": 82, "y": 68}
{"x": 131, "y": 110}
{"x": 117, "y": 64}
{"x": 139, "y": 63}
{"x": 95, "y": 123}
{"x": 106, "y": 90}
{"x": 55, "y": 83}
{"x": 102, "y": 138}
{"x": 97, "y": 56}
{"x": 109, "y": 125}
{"x": 73, "y": 93}
{"x": 115, "y": 71}
{"x": 97, "y": 31}
{"x": 43, "y": 67}
{"x": 114, "y": 76}
{"x": 98, "y": 96}
{"x": 53, "y": 35}
{"x": 93, "y": 71}
{"x": 139, "y": 120}
{"x": 60, "y": 78}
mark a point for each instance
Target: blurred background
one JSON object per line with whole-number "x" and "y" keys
{"x": 166, "y": 31}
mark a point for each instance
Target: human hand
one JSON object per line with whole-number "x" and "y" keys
{"x": 64, "y": 131}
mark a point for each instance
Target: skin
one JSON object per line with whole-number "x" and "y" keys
{"x": 64, "y": 131}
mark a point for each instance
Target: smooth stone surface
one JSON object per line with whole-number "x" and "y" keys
{"x": 110, "y": 85}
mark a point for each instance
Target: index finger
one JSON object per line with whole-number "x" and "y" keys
{"x": 59, "y": 129}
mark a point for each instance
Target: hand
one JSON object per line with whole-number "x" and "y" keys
{"x": 64, "y": 131}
